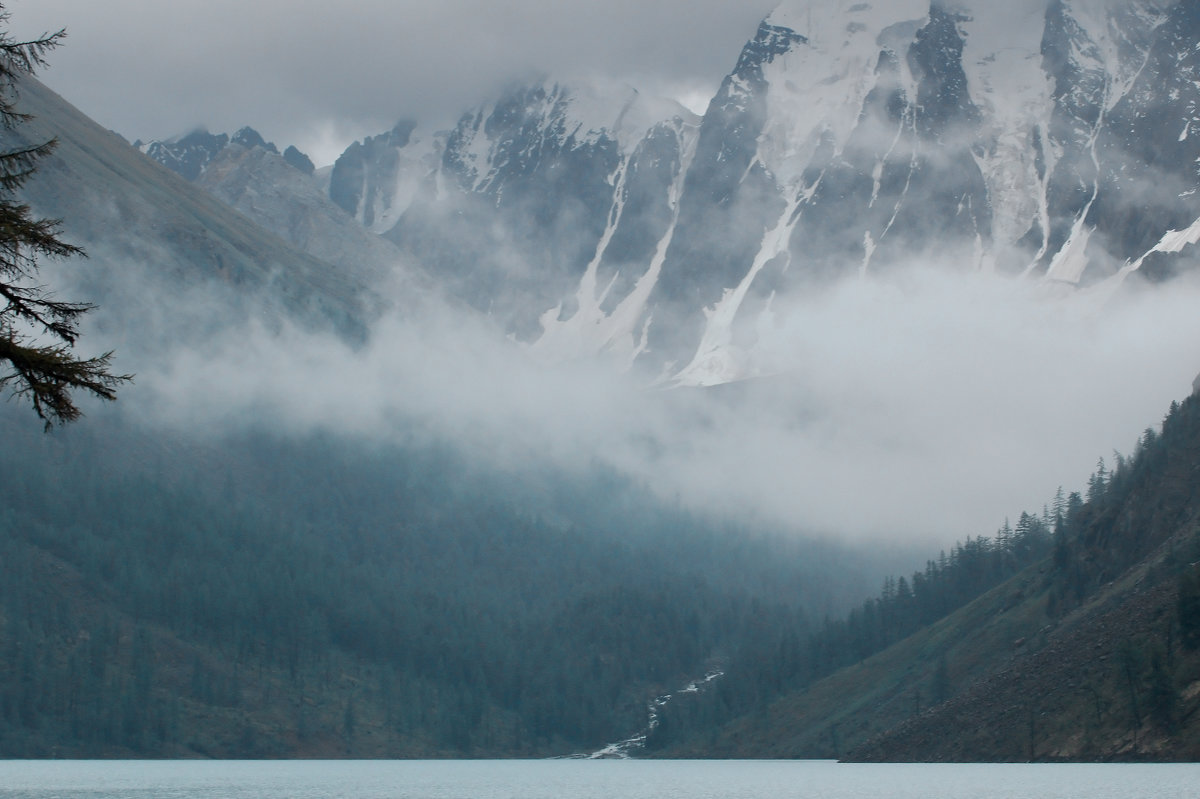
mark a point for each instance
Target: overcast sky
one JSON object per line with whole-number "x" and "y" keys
{"x": 319, "y": 74}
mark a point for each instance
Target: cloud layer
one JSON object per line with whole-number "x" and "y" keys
{"x": 920, "y": 410}
{"x": 319, "y": 74}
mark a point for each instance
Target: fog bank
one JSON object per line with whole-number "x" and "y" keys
{"x": 921, "y": 409}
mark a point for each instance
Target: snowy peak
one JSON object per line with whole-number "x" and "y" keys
{"x": 1050, "y": 139}
{"x": 189, "y": 155}
{"x": 509, "y": 138}
{"x": 186, "y": 155}
{"x": 815, "y": 93}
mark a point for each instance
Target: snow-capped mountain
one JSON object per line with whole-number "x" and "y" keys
{"x": 1051, "y": 140}
{"x": 189, "y": 155}
{"x": 1046, "y": 139}
{"x": 524, "y": 190}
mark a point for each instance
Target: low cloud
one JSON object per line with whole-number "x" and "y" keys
{"x": 918, "y": 409}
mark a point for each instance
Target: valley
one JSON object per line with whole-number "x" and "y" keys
{"x": 484, "y": 441}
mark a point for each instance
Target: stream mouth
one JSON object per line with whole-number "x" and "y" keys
{"x": 628, "y": 747}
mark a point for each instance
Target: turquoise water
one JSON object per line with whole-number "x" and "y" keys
{"x": 583, "y": 779}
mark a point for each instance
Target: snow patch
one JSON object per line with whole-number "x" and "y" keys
{"x": 816, "y": 90}
{"x": 1003, "y": 64}
{"x": 1172, "y": 241}
{"x": 1070, "y": 262}
{"x": 718, "y": 360}
{"x": 868, "y": 251}
{"x": 622, "y": 334}
{"x": 618, "y": 111}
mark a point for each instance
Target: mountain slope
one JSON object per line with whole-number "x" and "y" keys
{"x": 535, "y": 191}
{"x": 290, "y": 204}
{"x": 258, "y": 593}
{"x": 280, "y": 193}
{"x": 141, "y": 223}
{"x": 1046, "y": 140}
{"x": 1090, "y": 654}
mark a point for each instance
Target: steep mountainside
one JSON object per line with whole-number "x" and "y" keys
{"x": 542, "y": 203}
{"x": 258, "y": 593}
{"x": 1092, "y": 653}
{"x": 141, "y": 224}
{"x": 1052, "y": 140}
{"x": 279, "y": 193}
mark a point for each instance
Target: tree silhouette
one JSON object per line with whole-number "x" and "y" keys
{"x": 38, "y": 332}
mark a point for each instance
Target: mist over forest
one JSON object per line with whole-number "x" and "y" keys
{"x": 485, "y": 438}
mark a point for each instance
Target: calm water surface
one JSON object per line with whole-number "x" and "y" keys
{"x": 583, "y": 779}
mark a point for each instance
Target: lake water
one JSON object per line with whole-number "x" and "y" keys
{"x": 587, "y": 779}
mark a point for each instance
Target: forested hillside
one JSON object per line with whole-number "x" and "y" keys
{"x": 264, "y": 595}
{"x": 1074, "y": 635}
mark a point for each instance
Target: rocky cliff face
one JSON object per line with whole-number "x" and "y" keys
{"x": 374, "y": 180}
{"x": 553, "y": 199}
{"x": 1050, "y": 139}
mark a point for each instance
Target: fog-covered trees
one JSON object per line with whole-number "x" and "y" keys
{"x": 38, "y": 332}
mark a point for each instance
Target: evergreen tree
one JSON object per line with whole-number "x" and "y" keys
{"x": 38, "y": 333}
{"x": 1097, "y": 483}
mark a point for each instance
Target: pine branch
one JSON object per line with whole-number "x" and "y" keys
{"x": 47, "y": 376}
{"x": 16, "y": 60}
{"x": 16, "y": 166}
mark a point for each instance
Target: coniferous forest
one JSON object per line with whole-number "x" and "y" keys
{"x": 269, "y": 596}
{"x": 1071, "y": 636}
{"x": 279, "y": 579}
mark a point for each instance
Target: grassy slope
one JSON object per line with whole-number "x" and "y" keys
{"x": 1027, "y": 675}
{"x": 1022, "y": 686}
{"x": 873, "y": 696}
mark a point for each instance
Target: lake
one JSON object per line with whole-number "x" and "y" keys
{"x": 587, "y": 779}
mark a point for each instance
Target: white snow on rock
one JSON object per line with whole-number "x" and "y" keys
{"x": 818, "y": 88}
{"x": 1002, "y": 60}
{"x": 620, "y": 112}
{"x": 718, "y": 360}
{"x": 1070, "y": 262}
{"x": 620, "y": 335}
{"x": 1173, "y": 241}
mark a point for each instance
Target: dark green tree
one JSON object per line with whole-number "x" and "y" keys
{"x": 1162, "y": 699}
{"x": 38, "y": 332}
{"x": 1188, "y": 607}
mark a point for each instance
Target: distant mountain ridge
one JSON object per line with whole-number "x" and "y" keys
{"x": 1048, "y": 140}
{"x": 189, "y": 155}
{"x": 280, "y": 193}
{"x": 1052, "y": 140}
{"x": 145, "y": 229}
